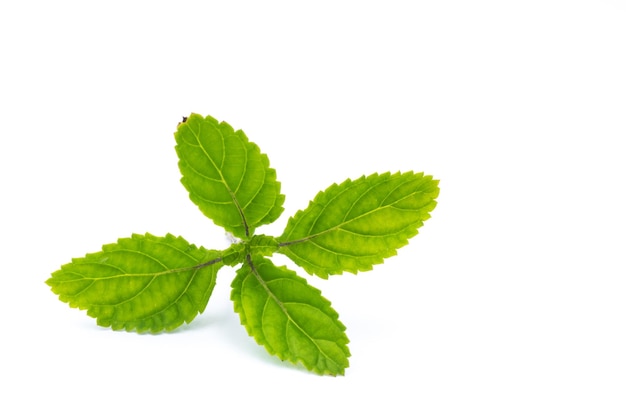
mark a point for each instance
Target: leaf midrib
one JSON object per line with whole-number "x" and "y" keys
{"x": 342, "y": 224}
{"x": 223, "y": 180}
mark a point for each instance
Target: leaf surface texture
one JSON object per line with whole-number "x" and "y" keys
{"x": 290, "y": 318}
{"x": 355, "y": 225}
{"x": 143, "y": 283}
{"x": 227, "y": 176}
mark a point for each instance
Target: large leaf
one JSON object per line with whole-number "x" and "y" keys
{"x": 289, "y": 317}
{"x": 227, "y": 176}
{"x": 355, "y": 225}
{"x": 142, "y": 283}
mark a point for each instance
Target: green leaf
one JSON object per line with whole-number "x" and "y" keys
{"x": 227, "y": 176}
{"x": 355, "y": 225}
{"x": 291, "y": 319}
{"x": 142, "y": 283}
{"x": 258, "y": 245}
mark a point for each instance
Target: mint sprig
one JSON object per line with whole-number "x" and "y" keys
{"x": 146, "y": 283}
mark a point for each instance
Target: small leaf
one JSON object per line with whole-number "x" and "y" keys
{"x": 142, "y": 283}
{"x": 355, "y": 225}
{"x": 291, "y": 319}
{"x": 227, "y": 176}
{"x": 258, "y": 245}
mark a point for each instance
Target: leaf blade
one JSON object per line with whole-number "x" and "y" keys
{"x": 227, "y": 176}
{"x": 290, "y": 318}
{"x": 142, "y": 283}
{"x": 352, "y": 226}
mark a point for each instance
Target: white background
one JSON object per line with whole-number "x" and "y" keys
{"x": 510, "y": 301}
